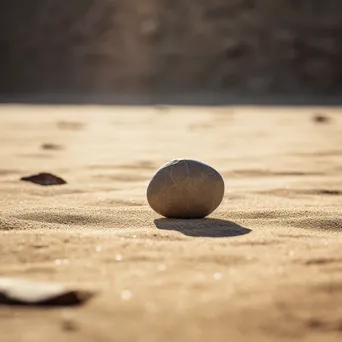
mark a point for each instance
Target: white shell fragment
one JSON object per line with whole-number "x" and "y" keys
{"x": 14, "y": 291}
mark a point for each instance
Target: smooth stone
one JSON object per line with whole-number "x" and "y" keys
{"x": 185, "y": 189}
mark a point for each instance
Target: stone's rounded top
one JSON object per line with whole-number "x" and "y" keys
{"x": 185, "y": 188}
{"x": 171, "y": 162}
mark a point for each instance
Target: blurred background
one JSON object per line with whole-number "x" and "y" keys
{"x": 173, "y": 50}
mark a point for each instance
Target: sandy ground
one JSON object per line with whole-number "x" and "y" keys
{"x": 267, "y": 265}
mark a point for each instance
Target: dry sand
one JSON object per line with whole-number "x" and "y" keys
{"x": 267, "y": 265}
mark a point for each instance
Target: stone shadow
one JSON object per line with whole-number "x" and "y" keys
{"x": 207, "y": 227}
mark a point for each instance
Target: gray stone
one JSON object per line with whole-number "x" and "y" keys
{"x": 186, "y": 189}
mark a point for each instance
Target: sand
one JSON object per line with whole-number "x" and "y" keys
{"x": 266, "y": 265}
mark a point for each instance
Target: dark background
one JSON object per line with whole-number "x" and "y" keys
{"x": 190, "y": 50}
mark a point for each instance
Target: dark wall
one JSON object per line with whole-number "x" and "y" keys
{"x": 151, "y": 46}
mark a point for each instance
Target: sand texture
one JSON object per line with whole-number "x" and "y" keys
{"x": 266, "y": 265}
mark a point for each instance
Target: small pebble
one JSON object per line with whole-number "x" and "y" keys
{"x": 50, "y": 146}
{"x": 69, "y": 325}
{"x": 320, "y": 118}
{"x": 44, "y": 179}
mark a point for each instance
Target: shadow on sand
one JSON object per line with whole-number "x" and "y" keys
{"x": 207, "y": 227}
